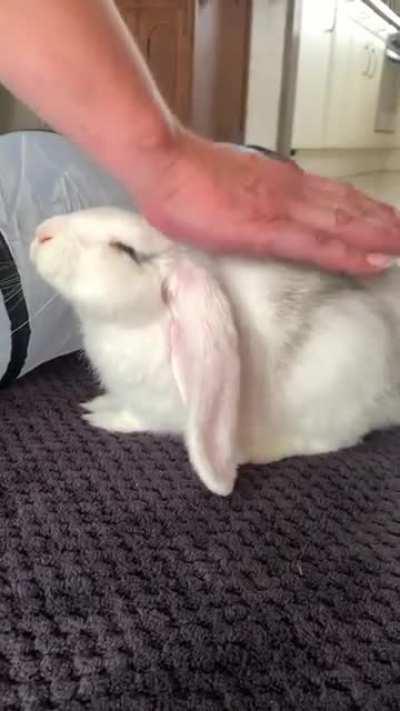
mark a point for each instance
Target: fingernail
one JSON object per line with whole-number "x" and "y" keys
{"x": 380, "y": 261}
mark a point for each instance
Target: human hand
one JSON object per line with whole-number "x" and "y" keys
{"x": 219, "y": 198}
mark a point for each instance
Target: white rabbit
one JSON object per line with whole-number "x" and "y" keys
{"x": 250, "y": 361}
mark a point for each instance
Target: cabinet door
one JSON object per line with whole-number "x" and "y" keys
{"x": 353, "y": 98}
{"x": 163, "y": 30}
{"x": 340, "y": 103}
{"x": 316, "y": 39}
{"x": 364, "y": 79}
{"x": 370, "y": 100}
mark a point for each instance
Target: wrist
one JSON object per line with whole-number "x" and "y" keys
{"x": 149, "y": 156}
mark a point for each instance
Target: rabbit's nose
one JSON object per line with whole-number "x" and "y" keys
{"x": 45, "y": 237}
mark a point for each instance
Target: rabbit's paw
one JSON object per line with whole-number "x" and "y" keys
{"x": 114, "y": 421}
{"x": 97, "y": 404}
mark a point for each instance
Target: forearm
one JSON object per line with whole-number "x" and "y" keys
{"x": 75, "y": 63}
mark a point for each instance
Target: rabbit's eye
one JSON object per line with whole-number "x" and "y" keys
{"x": 127, "y": 250}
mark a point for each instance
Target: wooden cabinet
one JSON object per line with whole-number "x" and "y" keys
{"x": 197, "y": 51}
{"x": 163, "y": 31}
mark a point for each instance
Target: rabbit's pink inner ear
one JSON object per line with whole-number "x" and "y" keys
{"x": 206, "y": 366}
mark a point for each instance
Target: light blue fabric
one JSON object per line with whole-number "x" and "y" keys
{"x": 43, "y": 174}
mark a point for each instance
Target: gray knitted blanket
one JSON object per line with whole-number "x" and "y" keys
{"x": 125, "y": 585}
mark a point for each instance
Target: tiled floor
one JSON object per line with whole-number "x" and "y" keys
{"x": 380, "y": 185}
{"x": 375, "y": 172}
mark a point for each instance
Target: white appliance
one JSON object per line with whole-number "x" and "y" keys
{"x": 347, "y": 93}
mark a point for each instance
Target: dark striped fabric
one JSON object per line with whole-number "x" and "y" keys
{"x": 17, "y": 311}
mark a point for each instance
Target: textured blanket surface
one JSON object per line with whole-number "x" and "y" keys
{"x": 125, "y": 585}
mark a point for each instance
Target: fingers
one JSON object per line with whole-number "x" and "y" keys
{"x": 299, "y": 243}
{"x": 373, "y": 209}
{"x": 329, "y": 193}
{"x": 369, "y": 237}
{"x": 350, "y": 225}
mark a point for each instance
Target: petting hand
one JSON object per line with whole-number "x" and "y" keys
{"x": 217, "y": 197}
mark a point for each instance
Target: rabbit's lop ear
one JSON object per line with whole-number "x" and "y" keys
{"x": 206, "y": 367}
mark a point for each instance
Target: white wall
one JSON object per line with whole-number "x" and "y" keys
{"x": 265, "y": 72}
{"x": 205, "y": 57}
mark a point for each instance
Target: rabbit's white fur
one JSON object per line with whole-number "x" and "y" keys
{"x": 250, "y": 361}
